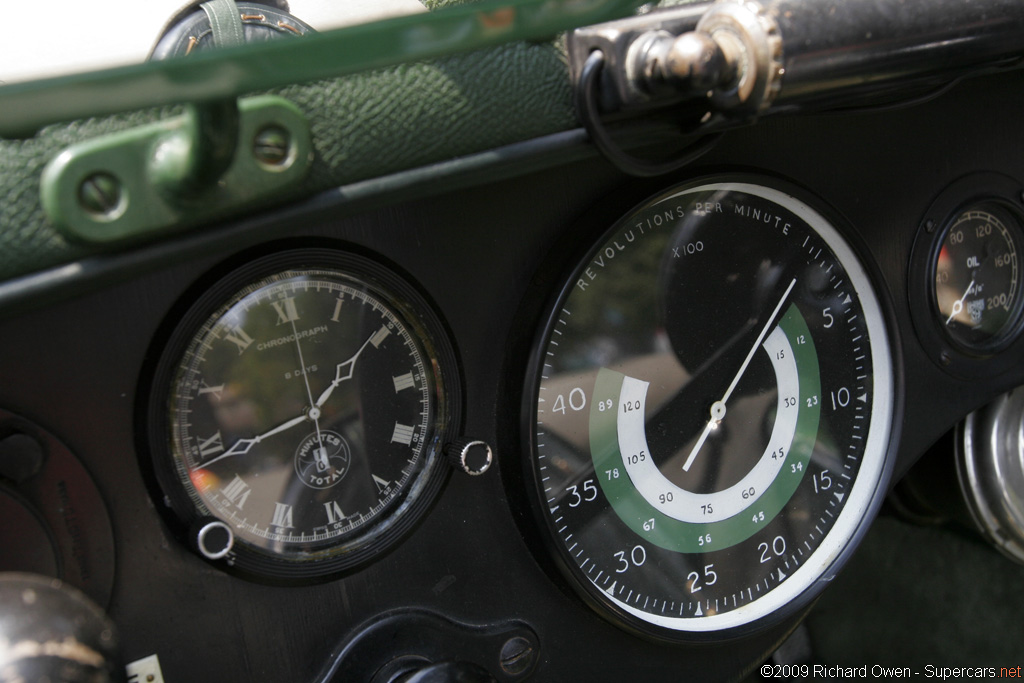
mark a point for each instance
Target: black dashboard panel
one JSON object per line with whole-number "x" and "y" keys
{"x": 489, "y": 257}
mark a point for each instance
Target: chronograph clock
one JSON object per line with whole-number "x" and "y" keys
{"x": 299, "y": 412}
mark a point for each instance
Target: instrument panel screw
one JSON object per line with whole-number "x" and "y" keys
{"x": 517, "y": 656}
{"x": 945, "y": 358}
{"x": 21, "y": 457}
{"x": 101, "y": 196}
{"x": 930, "y": 226}
{"x": 272, "y": 146}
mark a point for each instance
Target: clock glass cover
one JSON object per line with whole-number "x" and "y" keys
{"x": 302, "y": 402}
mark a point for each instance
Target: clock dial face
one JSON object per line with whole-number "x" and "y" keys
{"x": 305, "y": 410}
{"x": 711, "y": 410}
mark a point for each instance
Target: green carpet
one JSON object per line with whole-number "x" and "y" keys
{"x": 917, "y": 596}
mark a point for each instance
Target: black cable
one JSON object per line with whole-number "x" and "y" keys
{"x": 897, "y": 104}
{"x": 590, "y": 116}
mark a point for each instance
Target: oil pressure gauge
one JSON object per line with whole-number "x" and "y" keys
{"x": 977, "y": 295}
{"x": 965, "y": 276}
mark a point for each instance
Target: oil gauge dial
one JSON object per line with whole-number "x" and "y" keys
{"x": 976, "y": 294}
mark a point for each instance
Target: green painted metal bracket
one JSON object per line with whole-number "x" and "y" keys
{"x": 215, "y": 158}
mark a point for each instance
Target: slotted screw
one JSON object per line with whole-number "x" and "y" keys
{"x": 272, "y": 146}
{"x": 517, "y": 656}
{"x": 100, "y": 194}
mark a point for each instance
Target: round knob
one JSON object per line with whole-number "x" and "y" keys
{"x": 447, "y": 672}
{"x": 213, "y": 538}
{"x": 472, "y": 456}
{"x": 21, "y": 457}
{"x": 991, "y": 471}
{"x": 53, "y": 632}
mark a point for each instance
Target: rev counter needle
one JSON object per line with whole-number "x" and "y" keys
{"x": 718, "y": 407}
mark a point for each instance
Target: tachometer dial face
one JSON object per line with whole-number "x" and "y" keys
{"x": 977, "y": 278}
{"x": 304, "y": 406}
{"x": 710, "y": 410}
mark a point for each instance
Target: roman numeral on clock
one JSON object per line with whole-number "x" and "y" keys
{"x": 282, "y": 516}
{"x": 334, "y": 513}
{"x": 402, "y": 434}
{"x": 237, "y": 491}
{"x": 286, "y": 311}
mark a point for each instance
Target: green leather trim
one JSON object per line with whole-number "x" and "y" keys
{"x": 363, "y": 126}
{"x": 225, "y": 22}
{"x": 260, "y": 66}
{"x": 377, "y": 120}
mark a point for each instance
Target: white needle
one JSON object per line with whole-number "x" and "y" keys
{"x": 718, "y": 407}
{"x": 319, "y": 453}
{"x": 338, "y": 378}
{"x": 959, "y": 305}
{"x": 242, "y": 446}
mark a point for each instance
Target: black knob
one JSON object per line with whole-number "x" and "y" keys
{"x": 447, "y": 672}
{"x": 53, "y": 632}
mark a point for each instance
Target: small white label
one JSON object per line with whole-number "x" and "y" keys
{"x": 145, "y": 670}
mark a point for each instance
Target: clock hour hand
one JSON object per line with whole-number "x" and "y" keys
{"x": 343, "y": 372}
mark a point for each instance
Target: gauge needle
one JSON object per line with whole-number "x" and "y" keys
{"x": 319, "y": 453}
{"x": 718, "y": 407}
{"x": 959, "y": 304}
{"x": 242, "y": 446}
{"x": 339, "y": 377}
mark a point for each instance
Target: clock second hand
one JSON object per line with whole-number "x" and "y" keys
{"x": 319, "y": 453}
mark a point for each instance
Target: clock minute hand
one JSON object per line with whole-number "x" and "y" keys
{"x": 243, "y": 446}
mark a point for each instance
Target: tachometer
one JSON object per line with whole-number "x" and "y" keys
{"x": 710, "y": 409}
{"x": 298, "y": 413}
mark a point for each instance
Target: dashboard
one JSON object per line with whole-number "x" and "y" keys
{"x": 107, "y": 393}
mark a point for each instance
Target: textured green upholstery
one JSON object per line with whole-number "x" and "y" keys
{"x": 363, "y": 126}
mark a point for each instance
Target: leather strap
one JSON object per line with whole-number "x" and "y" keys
{"x": 225, "y": 21}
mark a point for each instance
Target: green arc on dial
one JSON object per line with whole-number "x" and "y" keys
{"x": 686, "y": 537}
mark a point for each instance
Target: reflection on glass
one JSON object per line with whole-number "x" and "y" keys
{"x": 977, "y": 292}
